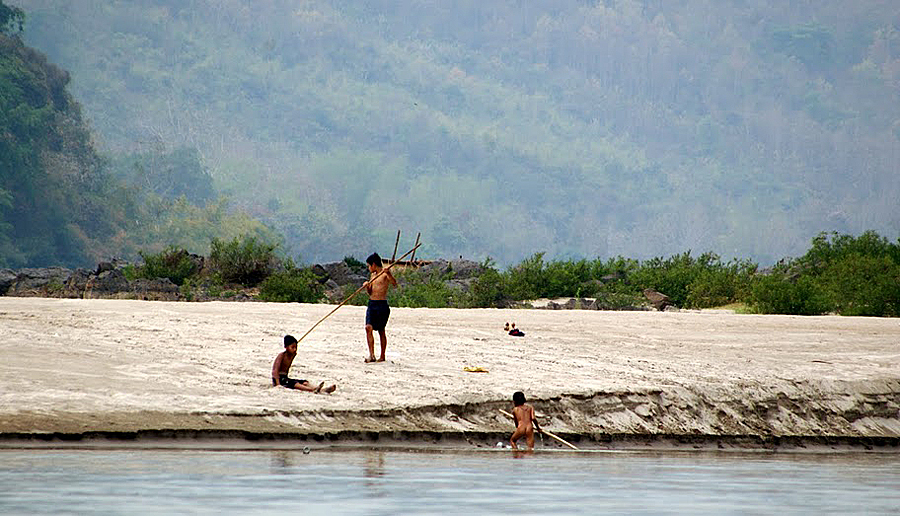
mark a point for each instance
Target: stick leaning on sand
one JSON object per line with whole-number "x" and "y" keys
{"x": 351, "y": 296}
{"x": 548, "y": 434}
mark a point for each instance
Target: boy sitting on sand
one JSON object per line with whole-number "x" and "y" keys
{"x": 283, "y": 364}
{"x": 523, "y": 414}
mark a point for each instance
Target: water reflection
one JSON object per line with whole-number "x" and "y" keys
{"x": 373, "y": 471}
{"x": 416, "y": 482}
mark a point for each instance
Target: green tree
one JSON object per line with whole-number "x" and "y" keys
{"x": 12, "y": 19}
{"x": 244, "y": 260}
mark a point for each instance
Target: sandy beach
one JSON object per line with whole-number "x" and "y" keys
{"x": 75, "y": 368}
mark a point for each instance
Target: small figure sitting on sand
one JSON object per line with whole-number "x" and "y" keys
{"x": 282, "y": 366}
{"x": 515, "y": 332}
{"x": 506, "y": 327}
{"x": 523, "y": 415}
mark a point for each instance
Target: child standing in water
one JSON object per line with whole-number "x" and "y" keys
{"x": 378, "y": 311}
{"x": 523, "y": 414}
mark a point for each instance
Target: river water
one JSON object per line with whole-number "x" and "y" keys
{"x": 364, "y": 481}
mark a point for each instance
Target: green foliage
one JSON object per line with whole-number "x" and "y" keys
{"x": 187, "y": 290}
{"x": 456, "y": 123}
{"x": 244, "y": 260}
{"x": 691, "y": 282}
{"x": 839, "y": 273}
{"x": 291, "y": 286}
{"x": 489, "y": 290}
{"x": 860, "y": 284}
{"x": 526, "y": 280}
{"x": 778, "y": 294}
{"x": 56, "y": 201}
{"x": 12, "y": 19}
{"x": 424, "y": 290}
{"x": 719, "y": 284}
{"x": 828, "y": 248}
{"x": 359, "y": 298}
{"x": 173, "y": 263}
{"x": 170, "y": 175}
{"x": 353, "y": 263}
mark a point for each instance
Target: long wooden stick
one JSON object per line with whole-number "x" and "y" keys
{"x": 549, "y": 434}
{"x": 351, "y": 296}
{"x": 396, "y": 243}
{"x": 413, "y": 257}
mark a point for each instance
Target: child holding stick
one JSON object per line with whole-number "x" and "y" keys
{"x": 378, "y": 311}
{"x": 523, "y": 415}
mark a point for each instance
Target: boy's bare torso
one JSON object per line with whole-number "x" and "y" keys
{"x": 283, "y": 362}
{"x": 378, "y": 287}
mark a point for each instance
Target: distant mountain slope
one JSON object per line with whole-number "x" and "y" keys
{"x": 504, "y": 128}
{"x": 56, "y": 204}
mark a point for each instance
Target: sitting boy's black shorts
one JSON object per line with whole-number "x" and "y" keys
{"x": 377, "y": 314}
{"x": 287, "y": 382}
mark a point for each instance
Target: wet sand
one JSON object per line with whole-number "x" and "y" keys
{"x": 78, "y": 368}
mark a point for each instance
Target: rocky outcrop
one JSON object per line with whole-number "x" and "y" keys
{"x": 159, "y": 289}
{"x": 39, "y": 281}
{"x": 108, "y": 280}
{"x": 7, "y": 278}
{"x": 659, "y": 300}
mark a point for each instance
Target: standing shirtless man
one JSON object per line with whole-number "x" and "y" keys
{"x": 378, "y": 310}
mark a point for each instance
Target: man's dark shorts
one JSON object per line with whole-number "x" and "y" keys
{"x": 377, "y": 314}
{"x": 287, "y": 382}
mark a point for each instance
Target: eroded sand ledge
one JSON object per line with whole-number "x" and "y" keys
{"x": 101, "y": 369}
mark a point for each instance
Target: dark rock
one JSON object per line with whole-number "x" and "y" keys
{"x": 7, "y": 278}
{"x": 342, "y": 274}
{"x": 116, "y": 264}
{"x": 41, "y": 281}
{"x": 158, "y": 289}
{"x": 108, "y": 282}
{"x": 78, "y": 283}
{"x": 659, "y": 300}
{"x": 320, "y": 273}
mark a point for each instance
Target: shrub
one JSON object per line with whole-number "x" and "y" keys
{"x": 695, "y": 282}
{"x": 173, "y": 263}
{"x": 353, "y": 263}
{"x": 862, "y": 285}
{"x": 720, "y": 284}
{"x": 778, "y": 294}
{"x": 828, "y": 248}
{"x": 671, "y": 276}
{"x": 187, "y": 290}
{"x": 244, "y": 260}
{"x": 525, "y": 279}
{"x": 563, "y": 278}
{"x": 488, "y": 290}
{"x": 424, "y": 290}
{"x": 291, "y": 286}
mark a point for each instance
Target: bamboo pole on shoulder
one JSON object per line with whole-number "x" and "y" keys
{"x": 351, "y": 296}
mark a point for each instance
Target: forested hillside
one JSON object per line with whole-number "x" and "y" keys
{"x": 579, "y": 128}
{"x": 63, "y": 203}
{"x": 55, "y": 203}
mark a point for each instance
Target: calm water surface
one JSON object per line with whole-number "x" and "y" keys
{"x": 333, "y": 482}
